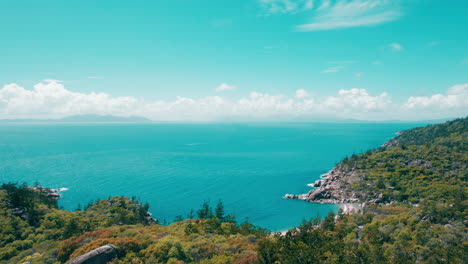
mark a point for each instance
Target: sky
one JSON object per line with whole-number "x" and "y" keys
{"x": 242, "y": 60}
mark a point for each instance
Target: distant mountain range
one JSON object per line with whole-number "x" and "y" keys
{"x": 84, "y": 119}
{"x": 138, "y": 119}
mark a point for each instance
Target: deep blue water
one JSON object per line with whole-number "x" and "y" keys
{"x": 175, "y": 167}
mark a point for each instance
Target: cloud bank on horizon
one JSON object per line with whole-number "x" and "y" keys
{"x": 50, "y": 99}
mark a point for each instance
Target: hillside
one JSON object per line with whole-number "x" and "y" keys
{"x": 412, "y": 192}
{"x": 418, "y": 165}
{"x": 34, "y": 230}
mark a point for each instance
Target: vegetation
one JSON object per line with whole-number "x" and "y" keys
{"x": 414, "y": 190}
{"x": 34, "y": 229}
{"x": 415, "y": 193}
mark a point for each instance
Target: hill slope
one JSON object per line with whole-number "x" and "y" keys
{"x": 34, "y": 230}
{"x": 420, "y": 164}
{"x": 414, "y": 193}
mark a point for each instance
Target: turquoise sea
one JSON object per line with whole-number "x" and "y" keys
{"x": 175, "y": 167}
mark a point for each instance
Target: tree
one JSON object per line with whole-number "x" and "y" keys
{"x": 205, "y": 212}
{"x": 219, "y": 211}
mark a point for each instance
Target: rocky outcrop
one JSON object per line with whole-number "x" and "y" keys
{"x": 351, "y": 208}
{"x": 393, "y": 142}
{"x": 50, "y": 193}
{"x": 101, "y": 255}
{"x": 335, "y": 186}
{"x": 332, "y": 188}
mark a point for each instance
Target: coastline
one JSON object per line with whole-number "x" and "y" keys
{"x": 330, "y": 189}
{"x": 333, "y": 186}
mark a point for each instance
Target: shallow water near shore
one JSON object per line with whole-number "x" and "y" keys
{"x": 175, "y": 167}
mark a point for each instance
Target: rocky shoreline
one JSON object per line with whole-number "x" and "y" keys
{"x": 51, "y": 193}
{"x": 331, "y": 188}
{"x": 334, "y": 187}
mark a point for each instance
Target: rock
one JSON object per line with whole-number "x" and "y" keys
{"x": 317, "y": 183}
{"x": 331, "y": 187}
{"x": 51, "y": 193}
{"x": 326, "y": 175}
{"x": 101, "y": 255}
{"x": 290, "y": 196}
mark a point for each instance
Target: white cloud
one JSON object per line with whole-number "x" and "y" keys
{"x": 351, "y": 13}
{"x": 459, "y": 89}
{"x": 308, "y": 4}
{"x": 456, "y": 97}
{"x": 395, "y": 46}
{"x": 52, "y": 80}
{"x": 325, "y": 4}
{"x": 333, "y": 69}
{"x": 377, "y": 62}
{"x": 53, "y": 100}
{"x": 301, "y": 94}
{"x": 225, "y": 87}
{"x": 338, "y": 65}
{"x": 356, "y": 100}
{"x": 95, "y": 77}
{"x": 359, "y": 74}
{"x": 285, "y": 6}
{"x": 454, "y": 102}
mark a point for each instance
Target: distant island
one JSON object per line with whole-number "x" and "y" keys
{"x": 412, "y": 196}
{"x": 84, "y": 119}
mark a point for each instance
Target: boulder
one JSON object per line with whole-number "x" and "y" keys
{"x": 317, "y": 183}
{"x": 101, "y": 255}
{"x": 290, "y": 196}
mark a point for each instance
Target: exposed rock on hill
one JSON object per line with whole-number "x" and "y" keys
{"x": 101, "y": 255}
{"x": 332, "y": 188}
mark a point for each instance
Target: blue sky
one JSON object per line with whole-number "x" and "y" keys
{"x": 206, "y": 60}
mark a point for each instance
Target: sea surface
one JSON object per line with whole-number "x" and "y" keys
{"x": 176, "y": 167}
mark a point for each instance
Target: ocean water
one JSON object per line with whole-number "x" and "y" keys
{"x": 175, "y": 167}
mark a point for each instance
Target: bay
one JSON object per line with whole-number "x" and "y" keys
{"x": 176, "y": 167}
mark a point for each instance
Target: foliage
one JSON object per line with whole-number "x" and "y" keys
{"x": 415, "y": 193}
{"x": 56, "y": 236}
